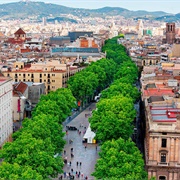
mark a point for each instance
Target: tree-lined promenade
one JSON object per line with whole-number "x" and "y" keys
{"x": 31, "y": 154}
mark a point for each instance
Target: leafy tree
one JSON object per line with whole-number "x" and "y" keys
{"x": 121, "y": 88}
{"x": 83, "y": 85}
{"x": 101, "y": 75}
{"x": 17, "y": 172}
{"x": 36, "y": 153}
{"x": 127, "y": 68}
{"x": 109, "y": 67}
{"x": 120, "y": 160}
{"x": 113, "y": 118}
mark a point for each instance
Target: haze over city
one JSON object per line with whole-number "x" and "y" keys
{"x": 149, "y": 5}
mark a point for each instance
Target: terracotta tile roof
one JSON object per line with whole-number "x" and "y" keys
{"x": 158, "y": 92}
{"x": 19, "y": 31}
{"x": 19, "y": 87}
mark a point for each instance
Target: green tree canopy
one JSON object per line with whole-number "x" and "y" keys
{"x": 113, "y": 118}
{"x": 120, "y": 160}
{"x": 17, "y": 172}
{"x": 83, "y": 84}
{"x": 121, "y": 88}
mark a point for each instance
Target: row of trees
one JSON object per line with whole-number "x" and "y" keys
{"x": 112, "y": 121}
{"x": 92, "y": 80}
{"x": 31, "y": 155}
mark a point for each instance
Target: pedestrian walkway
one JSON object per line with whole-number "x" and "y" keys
{"x": 82, "y": 152}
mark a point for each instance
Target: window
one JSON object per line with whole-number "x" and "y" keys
{"x": 164, "y": 143}
{"x": 163, "y": 157}
{"x": 40, "y": 75}
{"x": 40, "y": 80}
{"x": 162, "y": 177}
{"x": 44, "y": 80}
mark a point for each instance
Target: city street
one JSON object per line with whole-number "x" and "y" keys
{"x": 87, "y": 156}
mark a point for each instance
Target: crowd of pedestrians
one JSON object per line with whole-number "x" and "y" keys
{"x": 75, "y": 166}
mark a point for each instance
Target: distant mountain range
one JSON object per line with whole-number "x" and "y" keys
{"x": 28, "y": 9}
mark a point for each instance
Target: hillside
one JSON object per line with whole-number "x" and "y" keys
{"x": 21, "y": 10}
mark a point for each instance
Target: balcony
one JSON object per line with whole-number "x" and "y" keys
{"x": 163, "y": 164}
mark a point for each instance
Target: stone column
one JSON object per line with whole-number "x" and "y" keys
{"x": 155, "y": 149}
{"x": 175, "y": 176}
{"x": 176, "y": 149}
{"x": 170, "y": 176}
{"x": 172, "y": 150}
{"x": 151, "y": 148}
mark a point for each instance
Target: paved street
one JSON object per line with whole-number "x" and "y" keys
{"x": 87, "y": 156}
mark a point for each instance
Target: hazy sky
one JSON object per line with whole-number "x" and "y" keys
{"x": 171, "y": 6}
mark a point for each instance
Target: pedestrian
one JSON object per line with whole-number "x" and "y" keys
{"x": 77, "y": 163}
{"x": 79, "y": 132}
{"x": 60, "y": 177}
{"x": 82, "y": 175}
{"x": 96, "y": 148}
{"x": 71, "y": 149}
{"x": 64, "y": 152}
{"x": 85, "y": 147}
{"x": 66, "y": 132}
{"x": 80, "y": 163}
{"x": 69, "y": 174}
{"x": 76, "y": 172}
{"x": 64, "y": 174}
{"x": 69, "y": 163}
{"x": 72, "y": 170}
{"x": 86, "y": 177}
{"x": 72, "y": 155}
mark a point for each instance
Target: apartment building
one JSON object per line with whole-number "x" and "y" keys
{"x": 6, "y": 123}
{"x": 160, "y": 95}
{"x": 52, "y": 73}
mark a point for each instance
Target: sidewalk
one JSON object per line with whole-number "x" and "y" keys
{"x": 87, "y": 156}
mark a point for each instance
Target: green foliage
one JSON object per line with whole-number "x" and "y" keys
{"x": 127, "y": 68}
{"x": 16, "y": 172}
{"x": 32, "y": 152}
{"x": 120, "y": 160}
{"x": 113, "y": 118}
{"x": 121, "y": 88}
{"x": 121, "y": 35}
{"x": 101, "y": 75}
{"x": 83, "y": 84}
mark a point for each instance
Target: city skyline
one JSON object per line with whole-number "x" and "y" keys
{"x": 158, "y": 5}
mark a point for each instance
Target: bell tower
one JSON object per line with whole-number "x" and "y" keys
{"x": 170, "y": 33}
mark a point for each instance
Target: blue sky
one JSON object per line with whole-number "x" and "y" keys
{"x": 171, "y": 6}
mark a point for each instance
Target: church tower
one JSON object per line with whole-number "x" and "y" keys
{"x": 170, "y": 33}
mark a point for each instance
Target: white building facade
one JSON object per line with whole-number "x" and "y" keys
{"x": 6, "y": 122}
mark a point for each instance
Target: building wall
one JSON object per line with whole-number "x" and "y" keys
{"x": 52, "y": 79}
{"x": 6, "y": 123}
{"x": 154, "y": 150}
{"x": 35, "y": 92}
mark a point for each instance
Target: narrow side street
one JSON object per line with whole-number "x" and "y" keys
{"x": 87, "y": 156}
